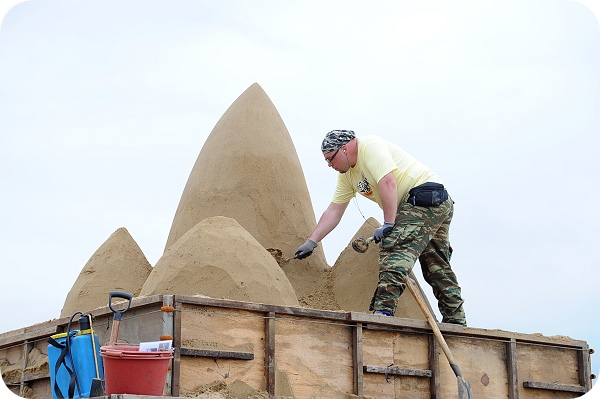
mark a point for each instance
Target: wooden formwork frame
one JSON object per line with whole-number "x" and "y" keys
{"x": 147, "y": 319}
{"x": 359, "y": 322}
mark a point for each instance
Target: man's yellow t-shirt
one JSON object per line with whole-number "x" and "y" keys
{"x": 376, "y": 158}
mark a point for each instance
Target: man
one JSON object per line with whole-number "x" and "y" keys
{"x": 417, "y": 212}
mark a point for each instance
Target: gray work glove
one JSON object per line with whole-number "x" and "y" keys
{"x": 305, "y": 249}
{"x": 383, "y": 231}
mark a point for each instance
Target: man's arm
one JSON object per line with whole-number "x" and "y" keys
{"x": 328, "y": 221}
{"x": 388, "y": 192}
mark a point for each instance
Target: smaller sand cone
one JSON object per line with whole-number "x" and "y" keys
{"x": 355, "y": 277}
{"x": 220, "y": 259}
{"x": 118, "y": 265}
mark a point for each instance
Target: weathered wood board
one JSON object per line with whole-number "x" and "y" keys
{"x": 313, "y": 356}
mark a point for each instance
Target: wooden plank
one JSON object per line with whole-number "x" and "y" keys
{"x": 372, "y": 321}
{"x": 554, "y": 387}
{"x": 434, "y": 365}
{"x": 511, "y": 369}
{"x": 216, "y": 354}
{"x": 30, "y": 335}
{"x": 270, "y": 353}
{"x": 397, "y": 371}
{"x": 265, "y": 308}
{"x": 357, "y": 359}
{"x": 105, "y": 311}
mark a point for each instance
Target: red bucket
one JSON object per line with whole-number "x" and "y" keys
{"x": 127, "y": 370}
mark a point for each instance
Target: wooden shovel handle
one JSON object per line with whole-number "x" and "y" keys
{"x": 436, "y": 330}
{"x": 114, "y": 333}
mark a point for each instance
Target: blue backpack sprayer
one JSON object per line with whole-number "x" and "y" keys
{"x": 74, "y": 359}
{"x": 76, "y": 369}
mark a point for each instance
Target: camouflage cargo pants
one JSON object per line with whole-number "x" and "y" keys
{"x": 420, "y": 233}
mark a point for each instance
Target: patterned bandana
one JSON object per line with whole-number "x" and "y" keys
{"x": 335, "y": 139}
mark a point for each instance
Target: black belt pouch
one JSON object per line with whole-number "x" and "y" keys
{"x": 428, "y": 194}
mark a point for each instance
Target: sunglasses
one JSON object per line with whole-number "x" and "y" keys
{"x": 330, "y": 160}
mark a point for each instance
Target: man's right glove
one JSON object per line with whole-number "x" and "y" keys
{"x": 383, "y": 231}
{"x": 305, "y": 249}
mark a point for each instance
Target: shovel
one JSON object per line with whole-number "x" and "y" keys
{"x": 98, "y": 388}
{"x": 114, "y": 333}
{"x": 464, "y": 388}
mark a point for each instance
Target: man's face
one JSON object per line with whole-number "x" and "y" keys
{"x": 334, "y": 161}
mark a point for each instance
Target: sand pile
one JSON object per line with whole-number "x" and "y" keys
{"x": 118, "y": 265}
{"x": 220, "y": 390}
{"x": 355, "y": 275}
{"x": 248, "y": 170}
{"x": 220, "y": 259}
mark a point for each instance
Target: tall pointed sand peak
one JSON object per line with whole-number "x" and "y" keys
{"x": 248, "y": 170}
{"x": 355, "y": 277}
{"x": 219, "y": 258}
{"x": 117, "y": 265}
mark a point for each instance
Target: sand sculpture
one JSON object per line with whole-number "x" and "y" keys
{"x": 220, "y": 259}
{"x": 245, "y": 194}
{"x": 118, "y": 265}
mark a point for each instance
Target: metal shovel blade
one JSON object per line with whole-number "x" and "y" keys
{"x": 464, "y": 389}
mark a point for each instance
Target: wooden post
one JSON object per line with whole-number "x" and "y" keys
{"x": 270, "y": 353}
{"x": 167, "y": 331}
{"x": 176, "y": 376}
{"x": 27, "y": 346}
{"x": 511, "y": 369}
{"x": 434, "y": 366}
{"x": 583, "y": 360}
{"x": 357, "y": 358}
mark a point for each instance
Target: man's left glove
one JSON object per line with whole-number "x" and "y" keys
{"x": 305, "y": 249}
{"x": 383, "y": 231}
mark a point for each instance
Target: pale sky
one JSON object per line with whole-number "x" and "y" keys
{"x": 105, "y": 106}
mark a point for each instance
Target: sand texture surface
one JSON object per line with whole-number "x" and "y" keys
{"x": 248, "y": 170}
{"x": 118, "y": 265}
{"x": 220, "y": 259}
